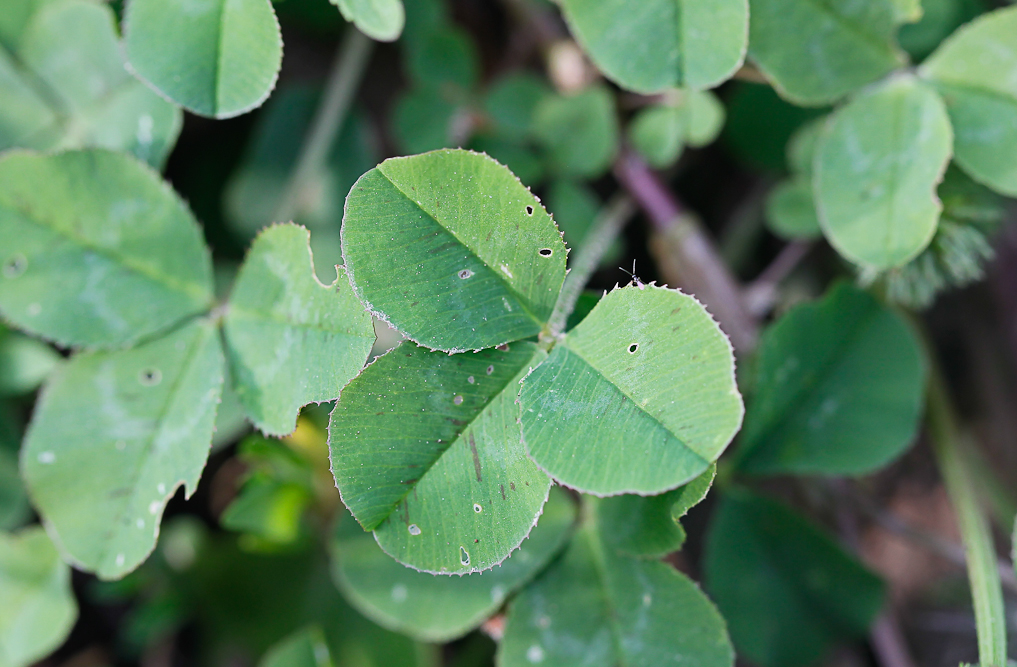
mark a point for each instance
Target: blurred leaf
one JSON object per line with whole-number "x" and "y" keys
{"x": 438, "y": 609}
{"x": 584, "y": 306}
{"x": 791, "y": 211}
{"x": 444, "y": 55}
{"x": 788, "y": 592}
{"x": 216, "y": 58}
{"x": 96, "y": 250}
{"x": 451, "y": 490}
{"x": 290, "y": 339}
{"x": 644, "y": 386}
{"x": 24, "y": 363}
{"x": 660, "y": 132}
{"x": 579, "y": 133}
{"x": 839, "y": 389}
{"x": 449, "y": 263}
{"x": 574, "y": 207}
{"x": 939, "y": 19}
{"x": 382, "y": 20}
{"x": 801, "y": 147}
{"x": 268, "y": 511}
{"x": 876, "y": 169}
{"x": 694, "y": 44}
{"x": 975, "y": 70}
{"x": 112, "y": 438}
{"x": 14, "y": 508}
{"x": 38, "y": 609}
{"x": 423, "y": 119}
{"x": 512, "y": 101}
{"x": 520, "y": 158}
{"x": 65, "y": 85}
{"x": 760, "y": 123}
{"x": 595, "y": 607}
{"x": 306, "y": 648}
{"x": 817, "y": 52}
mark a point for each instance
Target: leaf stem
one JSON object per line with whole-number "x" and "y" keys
{"x": 347, "y": 70}
{"x": 609, "y": 223}
{"x": 983, "y": 575}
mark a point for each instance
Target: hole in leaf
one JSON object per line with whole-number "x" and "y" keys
{"x": 465, "y": 273}
{"x": 529, "y": 210}
{"x": 490, "y": 369}
{"x": 477, "y": 508}
{"x": 633, "y": 348}
{"x": 150, "y": 377}
{"x": 545, "y": 252}
{"x": 458, "y": 400}
{"x": 464, "y": 557}
{"x": 15, "y": 266}
{"x": 414, "y": 529}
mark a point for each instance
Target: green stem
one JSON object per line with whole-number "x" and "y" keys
{"x": 983, "y": 575}
{"x": 350, "y": 63}
{"x": 609, "y": 223}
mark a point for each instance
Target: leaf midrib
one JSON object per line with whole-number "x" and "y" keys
{"x": 635, "y": 403}
{"x": 856, "y": 29}
{"x": 523, "y": 302}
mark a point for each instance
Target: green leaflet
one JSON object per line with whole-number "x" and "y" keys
{"x": 65, "y": 86}
{"x": 659, "y": 44}
{"x": 216, "y": 58}
{"x": 791, "y": 211}
{"x": 760, "y": 123}
{"x": 976, "y": 72}
{"x": 15, "y": 18}
{"x": 472, "y": 259}
{"x": 839, "y": 389}
{"x": 440, "y": 609}
{"x": 647, "y": 526}
{"x": 660, "y": 132}
{"x": 38, "y": 609}
{"x": 306, "y": 648}
{"x": 291, "y": 340}
{"x": 578, "y": 132}
{"x": 597, "y": 608}
{"x": 788, "y": 591}
{"x": 423, "y": 120}
{"x": 14, "y": 508}
{"x": 876, "y": 169}
{"x": 24, "y": 362}
{"x": 95, "y": 250}
{"x": 379, "y": 19}
{"x": 512, "y": 101}
{"x": 939, "y": 19}
{"x": 426, "y": 452}
{"x": 817, "y": 51}
{"x": 114, "y": 435}
{"x": 639, "y": 398}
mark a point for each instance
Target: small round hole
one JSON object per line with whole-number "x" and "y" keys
{"x": 529, "y": 210}
{"x": 633, "y": 348}
{"x": 15, "y": 266}
{"x": 458, "y": 400}
{"x": 465, "y": 273}
{"x": 150, "y": 377}
{"x": 545, "y": 252}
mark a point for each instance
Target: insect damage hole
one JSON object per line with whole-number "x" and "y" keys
{"x": 15, "y": 266}
{"x": 477, "y": 508}
{"x": 465, "y": 273}
{"x": 633, "y": 348}
{"x": 545, "y": 252}
{"x": 150, "y": 377}
{"x": 464, "y": 556}
{"x": 529, "y": 210}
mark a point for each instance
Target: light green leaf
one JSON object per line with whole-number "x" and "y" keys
{"x": 472, "y": 259}
{"x": 801, "y": 147}
{"x": 976, "y": 71}
{"x": 939, "y": 19}
{"x": 579, "y": 132}
{"x": 291, "y": 340}
{"x": 440, "y": 609}
{"x": 647, "y": 526}
{"x": 660, "y": 44}
{"x": 660, "y": 132}
{"x": 426, "y": 452}
{"x": 215, "y": 58}
{"x": 839, "y": 389}
{"x": 639, "y": 398}
{"x": 876, "y": 169}
{"x": 66, "y": 87}
{"x": 788, "y": 592}
{"x": 15, "y": 18}
{"x": 817, "y": 51}
{"x": 24, "y": 363}
{"x": 791, "y": 211}
{"x": 382, "y": 20}
{"x": 596, "y": 608}
{"x": 38, "y": 609}
{"x": 96, "y": 250}
{"x": 113, "y": 436}
{"x": 306, "y": 648}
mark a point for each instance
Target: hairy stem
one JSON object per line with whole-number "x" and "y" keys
{"x": 609, "y": 223}
{"x": 983, "y": 575}
{"x": 350, "y": 62}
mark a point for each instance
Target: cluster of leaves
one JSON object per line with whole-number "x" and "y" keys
{"x": 450, "y": 449}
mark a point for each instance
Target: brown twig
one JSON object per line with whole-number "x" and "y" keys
{"x": 761, "y": 293}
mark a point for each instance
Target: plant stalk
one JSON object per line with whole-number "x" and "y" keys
{"x": 347, "y": 70}
{"x": 609, "y": 223}
{"x": 983, "y": 575}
